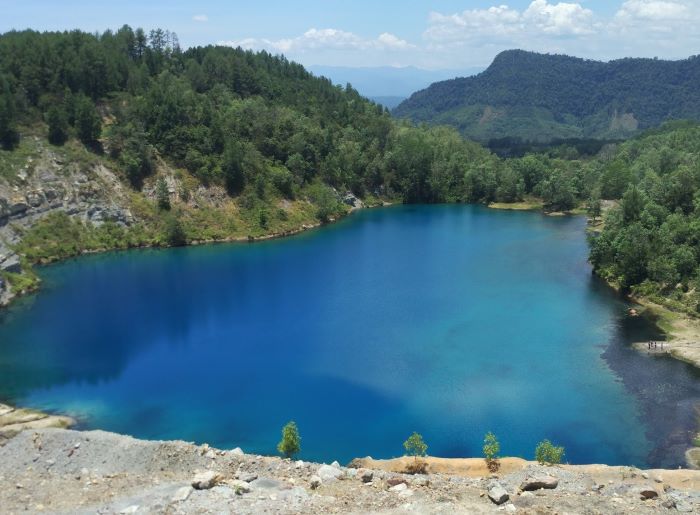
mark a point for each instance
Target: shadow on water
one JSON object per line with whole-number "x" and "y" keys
{"x": 668, "y": 390}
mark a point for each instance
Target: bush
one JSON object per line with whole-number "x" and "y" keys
{"x": 547, "y": 454}
{"x": 291, "y": 441}
{"x": 416, "y": 467}
{"x": 491, "y": 449}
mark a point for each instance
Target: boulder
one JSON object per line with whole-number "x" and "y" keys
{"x": 240, "y": 487}
{"x": 315, "y": 482}
{"x": 498, "y": 494}
{"x": 34, "y": 198}
{"x": 181, "y": 494}
{"x": 366, "y": 475}
{"x": 329, "y": 473}
{"x": 648, "y": 493}
{"x": 11, "y": 264}
{"x": 248, "y": 477}
{"x": 237, "y": 451}
{"x": 394, "y": 481}
{"x": 532, "y": 483}
{"x": 206, "y": 480}
{"x": 399, "y": 488}
{"x": 18, "y": 208}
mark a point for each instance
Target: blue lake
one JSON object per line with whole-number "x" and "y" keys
{"x": 446, "y": 320}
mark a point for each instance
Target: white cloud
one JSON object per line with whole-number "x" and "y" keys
{"x": 323, "y": 39}
{"x": 654, "y": 10}
{"x": 502, "y": 22}
{"x": 202, "y": 18}
{"x": 560, "y": 19}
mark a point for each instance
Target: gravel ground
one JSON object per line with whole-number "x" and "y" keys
{"x": 63, "y": 471}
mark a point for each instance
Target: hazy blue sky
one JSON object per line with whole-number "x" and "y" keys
{"x": 435, "y": 34}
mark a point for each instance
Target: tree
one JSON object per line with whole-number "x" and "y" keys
{"x": 547, "y": 453}
{"x": 162, "y": 194}
{"x": 415, "y": 446}
{"x": 290, "y": 444}
{"x": 632, "y": 204}
{"x": 9, "y": 137}
{"x": 491, "y": 449}
{"x": 174, "y": 232}
{"x": 87, "y": 120}
{"x": 594, "y": 205}
{"x": 232, "y": 167}
{"x": 57, "y": 120}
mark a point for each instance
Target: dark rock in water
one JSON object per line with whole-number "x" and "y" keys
{"x": 539, "y": 483}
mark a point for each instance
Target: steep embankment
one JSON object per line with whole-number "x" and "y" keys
{"x": 61, "y": 471}
{"x": 541, "y": 97}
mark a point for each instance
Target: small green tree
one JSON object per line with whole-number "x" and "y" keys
{"x": 57, "y": 120}
{"x": 547, "y": 453}
{"x": 162, "y": 194}
{"x": 87, "y": 120}
{"x": 491, "y": 449}
{"x": 291, "y": 441}
{"x": 174, "y": 232}
{"x": 415, "y": 446}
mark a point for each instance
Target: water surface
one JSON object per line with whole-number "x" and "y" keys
{"x": 447, "y": 320}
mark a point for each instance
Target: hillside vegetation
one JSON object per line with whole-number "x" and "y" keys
{"x": 539, "y": 97}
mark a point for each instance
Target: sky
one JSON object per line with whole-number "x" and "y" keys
{"x": 440, "y": 34}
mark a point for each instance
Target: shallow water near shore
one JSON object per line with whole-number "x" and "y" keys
{"x": 446, "y": 320}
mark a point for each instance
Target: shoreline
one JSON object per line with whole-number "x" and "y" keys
{"x": 14, "y": 420}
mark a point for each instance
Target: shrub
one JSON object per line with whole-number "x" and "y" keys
{"x": 548, "y": 454}
{"x": 291, "y": 441}
{"x": 491, "y": 449}
{"x": 415, "y": 446}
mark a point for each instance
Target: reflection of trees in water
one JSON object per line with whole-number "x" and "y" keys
{"x": 667, "y": 389}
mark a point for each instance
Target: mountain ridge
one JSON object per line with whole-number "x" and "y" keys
{"x": 541, "y": 97}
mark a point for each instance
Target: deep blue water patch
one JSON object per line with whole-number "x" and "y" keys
{"x": 447, "y": 320}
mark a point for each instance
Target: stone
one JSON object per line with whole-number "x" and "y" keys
{"x": 248, "y": 477}
{"x": 399, "y": 488}
{"x": 329, "y": 472}
{"x": 18, "y": 208}
{"x": 393, "y": 481}
{"x": 206, "y": 480}
{"x": 335, "y": 464}
{"x": 648, "y": 493}
{"x": 406, "y": 493}
{"x": 11, "y": 264}
{"x": 34, "y": 198}
{"x": 498, "y": 494}
{"x": 181, "y": 494}
{"x": 240, "y": 487}
{"x": 510, "y": 508}
{"x": 366, "y": 475}
{"x": 532, "y": 483}
{"x": 210, "y": 454}
{"x": 131, "y": 509}
{"x": 237, "y": 451}
{"x": 298, "y": 464}
{"x": 315, "y": 482}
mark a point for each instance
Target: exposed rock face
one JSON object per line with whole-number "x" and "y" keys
{"x": 48, "y": 183}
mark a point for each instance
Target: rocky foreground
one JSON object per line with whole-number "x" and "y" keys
{"x": 63, "y": 471}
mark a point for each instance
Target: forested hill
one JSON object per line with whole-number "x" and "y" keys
{"x": 540, "y": 97}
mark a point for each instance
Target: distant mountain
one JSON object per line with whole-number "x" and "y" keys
{"x": 388, "y": 102}
{"x": 540, "y": 97}
{"x": 388, "y": 81}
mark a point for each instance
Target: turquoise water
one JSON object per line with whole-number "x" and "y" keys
{"x": 447, "y": 320}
